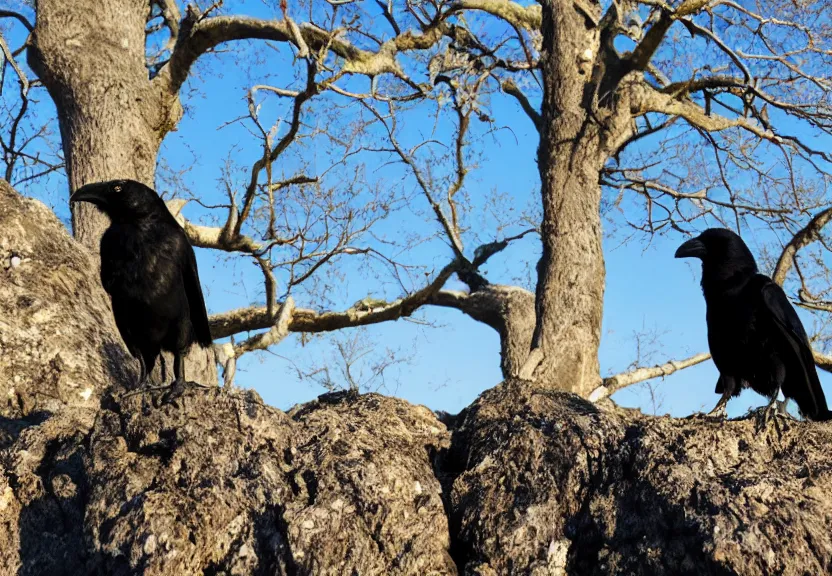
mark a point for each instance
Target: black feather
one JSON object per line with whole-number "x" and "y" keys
{"x": 755, "y": 336}
{"x": 149, "y": 270}
{"x": 196, "y": 302}
{"x": 801, "y": 383}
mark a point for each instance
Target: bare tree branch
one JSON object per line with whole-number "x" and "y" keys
{"x": 527, "y": 17}
{"x": 305, "y": 320}
{"x": 803, "y": 238}
{"x": 278, "y": 331}
{"x": 510, "y": 88}
{"x": 171, "y": 16}
{"x": 19, "y": 17}
{"x": 212, "y": 236}
{"x": 613, "y": 384}
{"x": 823, "y": 361}
{"x": 199, "y": 36}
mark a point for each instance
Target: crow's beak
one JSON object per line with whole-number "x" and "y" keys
{"x": 693, "y": 248}
{"x": 93, "y": 193}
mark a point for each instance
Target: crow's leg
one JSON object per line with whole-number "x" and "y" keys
{"x": 137, "y": 354}
{"x": 729, "y": 384}
{"x": 142, "y": 371}
{"x": 778, "y": 407}
{"x": 163, "y": 367}
{"x": 720, "y": 411}
{"x": 179, "y": 384}
{"x": 775, "y": 407}
{"x": 769, "y": 414}
{"x": 148, "y": 362}
{"x": 178, "y": 366}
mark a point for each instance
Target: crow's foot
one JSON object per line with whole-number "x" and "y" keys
{"x": 720, "y": 411}
{"x": 772, "y": 415}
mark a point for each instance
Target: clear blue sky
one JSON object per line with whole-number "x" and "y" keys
{"x": 647, "y": 289}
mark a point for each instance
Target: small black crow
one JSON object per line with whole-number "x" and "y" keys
{"x": 149, "y": 270}
{"x": 755, "y": 336}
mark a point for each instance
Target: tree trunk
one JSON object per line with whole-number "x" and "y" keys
{"x": 91, "y": 58}
{"x": 570, "y": 287}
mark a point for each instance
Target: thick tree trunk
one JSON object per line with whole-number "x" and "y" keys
{"x": 570, "y": 287}
{"x": 91, "y": 58}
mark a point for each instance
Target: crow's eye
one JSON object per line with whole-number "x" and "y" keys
{"x": 117, "y": 187}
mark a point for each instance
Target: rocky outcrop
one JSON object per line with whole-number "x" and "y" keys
{"x": 58, "y": 341}
{"x": 214, "y": 482}
{"x": 550, "y": 484}
{"x": 218, "y": 483}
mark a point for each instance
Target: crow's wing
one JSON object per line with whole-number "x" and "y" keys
{"x": 193, "y": 290}
{"x": 802, "y": 383}
{"x": 190, "y": 276}
{"x": 111, "y": 247}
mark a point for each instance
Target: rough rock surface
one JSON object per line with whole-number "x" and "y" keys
{"x": 214, "y": 482}
{"x": 550, "y": 484}
{"x": 50, "y": 354}
{"x": 218, "y": 483}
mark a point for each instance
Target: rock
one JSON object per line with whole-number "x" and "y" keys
{"x": 553, "y": 485}
{"x": 218, "y": 483}
{"x": 381, "y": 522}
{"x": 43, "y": 482}
{"x": 58, "y": 342}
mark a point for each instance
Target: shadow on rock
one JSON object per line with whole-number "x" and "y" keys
{"x": 51, "y": 523}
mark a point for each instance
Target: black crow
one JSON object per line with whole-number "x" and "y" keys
{"x": 755, "y": 336}
{"x": 149, "y": 270}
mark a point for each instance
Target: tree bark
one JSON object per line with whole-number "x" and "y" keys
{"x": 91, "y": 58}
{"x": 49, "y": 295}
{"x": 546, "y": 483}
{"x": 112, "y": 117}
{"x": 570, "y": 287}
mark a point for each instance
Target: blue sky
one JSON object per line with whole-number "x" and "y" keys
{"x": 458, "y": 358}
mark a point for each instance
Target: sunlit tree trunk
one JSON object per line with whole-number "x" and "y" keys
{"x": 570, "y": 288}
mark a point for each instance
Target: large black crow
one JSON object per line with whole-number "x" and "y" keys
{"x": 149, "y": 270}
{"x": 755, "y": 336}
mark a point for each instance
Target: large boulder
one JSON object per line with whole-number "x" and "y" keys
{"x": 550, "y": 484}
{"x": 218, "y": 483}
